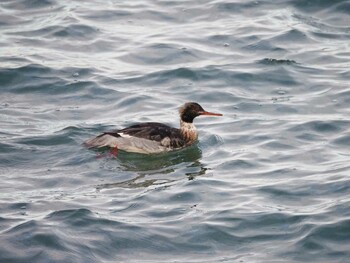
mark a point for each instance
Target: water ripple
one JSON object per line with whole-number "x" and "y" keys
{"x": 267, "y": 182}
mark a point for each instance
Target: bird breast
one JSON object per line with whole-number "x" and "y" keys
{"x": 188, "y": 132}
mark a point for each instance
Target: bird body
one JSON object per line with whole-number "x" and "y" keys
{"x": 153, "y": 137}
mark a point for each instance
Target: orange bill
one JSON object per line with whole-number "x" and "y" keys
{"x": 209, "y": 113}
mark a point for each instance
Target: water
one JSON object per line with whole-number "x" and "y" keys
{"x": 267, "y": 182}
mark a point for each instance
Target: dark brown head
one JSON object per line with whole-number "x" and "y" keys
{"x": 191, "y": 110}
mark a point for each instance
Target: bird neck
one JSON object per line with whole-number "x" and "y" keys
{"x": 188, "y": 131}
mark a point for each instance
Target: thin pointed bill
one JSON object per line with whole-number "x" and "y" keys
{"x": 209, "y": 113}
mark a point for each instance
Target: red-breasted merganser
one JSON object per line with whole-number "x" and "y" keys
{"x": 153, "y": 137}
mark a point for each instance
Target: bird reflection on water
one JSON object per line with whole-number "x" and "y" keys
{"x": 150, "y": 169}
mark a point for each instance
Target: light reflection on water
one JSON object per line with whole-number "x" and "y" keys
{"x": 159, "y": 169}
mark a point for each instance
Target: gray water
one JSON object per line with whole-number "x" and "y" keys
{"x": 267, "y": 182}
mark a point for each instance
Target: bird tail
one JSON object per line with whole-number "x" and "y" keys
{"x": 102, "y": 140}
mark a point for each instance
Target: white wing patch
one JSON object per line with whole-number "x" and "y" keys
{"x": 124, "y": 135}
{"x": 165, "y": 142}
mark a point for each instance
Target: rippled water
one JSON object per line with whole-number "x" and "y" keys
{"x": 268, "y": 182}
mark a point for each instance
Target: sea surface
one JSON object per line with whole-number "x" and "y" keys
{"x": 267, "y": 182}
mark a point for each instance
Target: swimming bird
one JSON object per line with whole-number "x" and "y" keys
{"x": 153, "y": 137}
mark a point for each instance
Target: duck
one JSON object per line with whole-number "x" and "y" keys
{"x": 153, "y": 137}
